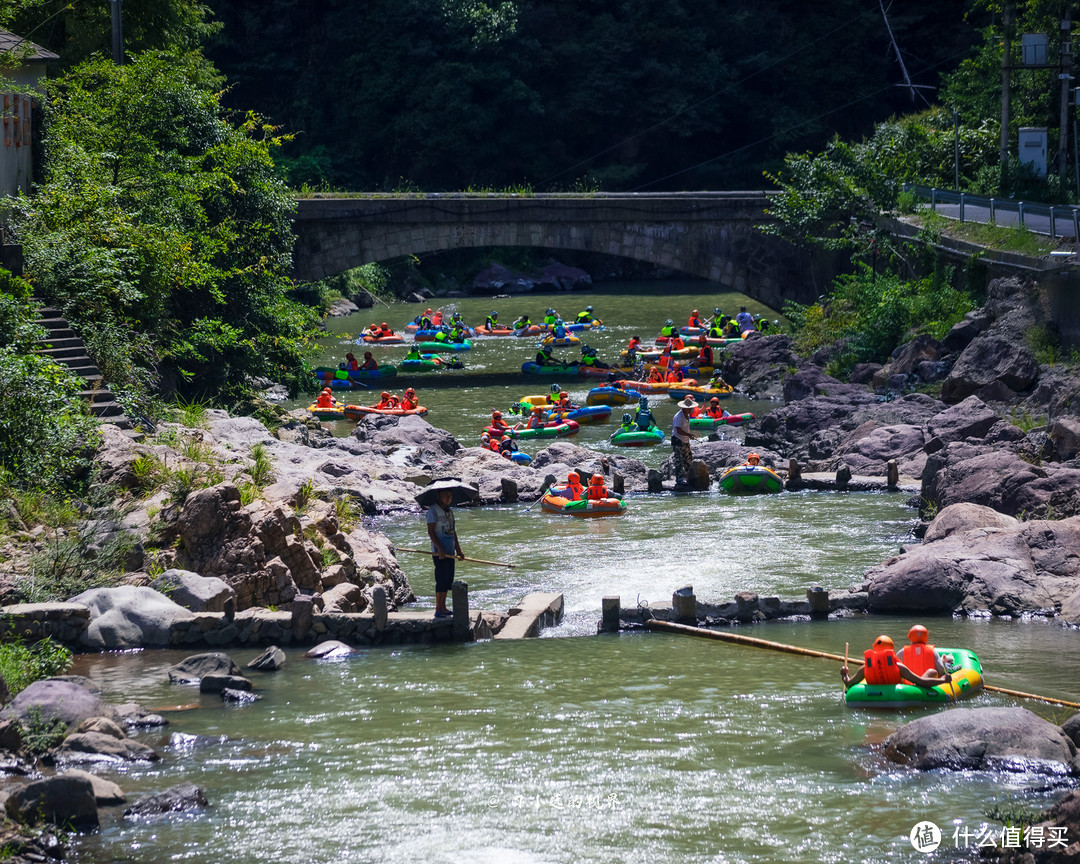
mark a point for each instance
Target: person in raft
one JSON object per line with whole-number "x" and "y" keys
{"x": 643, "y": 416}
{"x": 881, "y": 667}
{"x": 409, "y": 401}
{"x": 536, "y": 418}
{"x": 326, "y": 399}
{"x": 586, "y": 316}
{"x": 715, "y": 411}
{"x": 573, "y": 490}
{"x": 444, "y": 547}
{"x": 695, "y": 320}
{"x": 492, "y": 321}
{"x": 351, "y": 363}
{"x": 497, "y": 421}
{"x": 369, "y": 362}
{"x": 386, "y": 400}
{"x": 596, "y": 490}
{"x": 920, "y": 656}
{"x": 544, "y": 358}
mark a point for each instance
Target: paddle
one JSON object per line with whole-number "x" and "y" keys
{"x": 543, "y": 489}
{"x": 671, "y": 627}
{"x": 473, "y": 560}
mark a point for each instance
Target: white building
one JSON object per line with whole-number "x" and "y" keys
{"x": 23, "y": 69}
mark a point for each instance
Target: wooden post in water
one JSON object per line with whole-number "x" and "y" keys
{"x": 461, "y": 611}
{"x": 684, "y": 604}
{"x": 892, "y": 474}
{"x": 611, "y": 613}
{"x": 302, "y": 615}
{"x": 818, "y": 598}
{"x": 378, "y": 607}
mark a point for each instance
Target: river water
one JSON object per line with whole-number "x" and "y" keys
{"x": 638, "y": 747}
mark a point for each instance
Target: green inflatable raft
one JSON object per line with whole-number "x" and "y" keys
{"x": 967, "y": 681}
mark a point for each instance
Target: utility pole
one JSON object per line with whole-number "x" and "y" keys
{"x": 1066, "y": 79}
{"x": 117, "y": 33}
{"x": 956, "y": 148}
{"x": 1006, "y": 54}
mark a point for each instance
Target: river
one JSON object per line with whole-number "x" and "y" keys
{"x": 637, "y": 747}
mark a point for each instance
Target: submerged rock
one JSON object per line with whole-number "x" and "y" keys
{"x": 176, "y": 799}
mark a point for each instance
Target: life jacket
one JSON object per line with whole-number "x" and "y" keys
{"x": 655, "y": 375}
{"x": 881, "y": 667}
{"x": 499, "y": 423}
{"x": 693, "y": 321}
{"x": 696, "y": 412}
{"x": 918, "y": 658}
{"x": 574, "y": 492}
{"x": 664, "y": 360}
{"x": 523, "y": 321}
{"x": 370, "y": 364}
{"x": 716, "y": 332}
{"x": 667, "y": 330}
{"x": 325, "y": 400}
{"x": 588, "y": 359}
{"x": 705, "y": 355}
{"x": 436, "y": 319}
{"x": 491, "y": 323}
{"x": 634, "y": 345}
{"x": 676, "y": 343}
{"x": 534, "y": 422}
{"x": 675, "y": 375}
{"x": 494, "y": 446}
{"x": 424, "y": 323}
{"x": 715, "y": 414}
{"x": 550, "y": 319}
{"x": 352, "y": 365}
{"x": 595, "y": 493}
{"x": 408, "y": 403}
{"x": 584, "y": 317}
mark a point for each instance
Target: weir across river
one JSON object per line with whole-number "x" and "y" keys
{"x": 708, "y": 235}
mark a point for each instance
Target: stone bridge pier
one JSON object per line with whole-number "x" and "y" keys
{"x": 714, "y": 236}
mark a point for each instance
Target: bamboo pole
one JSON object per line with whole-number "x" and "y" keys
{"x": 473, "y": 560}
{"x": 750, "y": 641}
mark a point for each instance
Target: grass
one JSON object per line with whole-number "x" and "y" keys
{"x": 346, "y": 511}
{"x": 33, "y": 508}
{"x": 22, "y": 664}
{"x": 1025, "y": 420}
{"x": 998, "y": 237}
{"x": 261, "y": 470}
{"x": 191, "y": 413}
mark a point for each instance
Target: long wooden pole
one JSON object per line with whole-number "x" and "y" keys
{"x": 750, "y": 641}
{"x": 474, "y": 560}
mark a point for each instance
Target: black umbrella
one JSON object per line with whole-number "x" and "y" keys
{"x": 462, "y": 491}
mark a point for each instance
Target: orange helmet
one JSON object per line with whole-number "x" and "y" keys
{"x": 918, "y": 634}
{"x": 573, "y": 477}
{"x": 715, "y": 399}
{"x": 385, "y": 395}
{"x": 410, "y": 392}
{"x": 496, "y": 413}
{"x": 883, "y": 642}
{"x": 327, "y": 390}
{"x": 537, "y": 409}
{"x": 596, "y": 480}
{"x": 753, "y": 458}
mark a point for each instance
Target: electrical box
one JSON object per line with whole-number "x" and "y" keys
{"x": 1034, "y": 49}
{"x": 1033, "y": 148}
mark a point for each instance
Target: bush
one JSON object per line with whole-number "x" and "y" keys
{"x": 22, "y": 664}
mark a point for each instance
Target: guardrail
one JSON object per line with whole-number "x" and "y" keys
{"x": 1053, "y": 213}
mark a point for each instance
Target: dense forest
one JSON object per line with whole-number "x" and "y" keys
{"x": 556, "y": 94}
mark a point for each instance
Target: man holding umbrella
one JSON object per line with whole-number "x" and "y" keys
{"x": 439, "y": 497}
{"x": 680, "y": 440}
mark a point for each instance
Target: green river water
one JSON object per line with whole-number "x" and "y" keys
{"x": 638, "y": 747}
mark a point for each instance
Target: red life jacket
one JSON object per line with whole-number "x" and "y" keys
{"x": 595, "y": 493}
{"x": 575, "y": 492}
{"x": 676, "y": 343}
{"x": 675, "y": 375}
{"x": 325, "y": 400}
{"x": 918, "y": 658}
{"x": 715, "y": 414}
{"x": 705, "y": 354}
{"x": 693, "y": 321}
{"x": 881, "y": 667}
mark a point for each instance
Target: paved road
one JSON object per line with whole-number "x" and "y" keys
{"x": 1010, "y": 218}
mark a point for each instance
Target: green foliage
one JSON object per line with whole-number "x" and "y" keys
{"x": 372, "y": 278}
{"x": 40, "y": 734}
{"x": 1007, "y": 238}
{"x": 158, "y": 216}
{"x": 21, "y": 664}
{"x": 1024, "y": 419}
{"x": 1045, "y": 343}
{"x": 261, "y": 470}
{"x": 68, "y": 565}
{"x": 182, "y": 482}
{"x": 1013, "y": 814}
{"x": 149, "y": 473}
{"x": 873, "y": 313}
{"x": 304, "y": 495}
{"x": 33, "y": 507}
{"x": 346, "y": 511}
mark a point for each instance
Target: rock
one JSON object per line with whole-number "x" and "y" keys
{"x": 341, "y": 307}
{"x": 813, "y": 382}
{"x": 964, "y": 516}
{"x": 11, "y": 739}
{"x": 972, "y": 418}
{"x": 330, "y": 648}
{"x": 988, "y": 359}
{"x": 63, "y": 700}
{"x": 101, "y": 725}
{"x": 106, "y": 793}
{"x": 345, "y": 597}
{"x": 217, "y": 683}
{"x": 194, "y": 592}
{"x": 1071, "y": 727}
{"x": 271, "y": 660}
{"x": 176, "y": 799}
{"x": 1070, "y": 609}
{"x": 1029, "y": 567}
{"x": 984, "y": 739}
{"x": 964, "y": 332}
{"x": 239, "y": 697}
{"x": 1065, "y": 436}
{"x": 62, "y": 800}
{"x": 391, "y": 433}
{"x": 869, "y": 448}
{"x": 863, "y": 373}
{"x": 1061, "y": 820}
{"x": 98, "y": 747}
{"x": 698, "y": 475}
{"x": 129, "y": 617}
{"x": 191, "y": 669}
{"x": 134, "y": 716}
{"x": 921, "y": 349}
{"x": 759, "y": 367}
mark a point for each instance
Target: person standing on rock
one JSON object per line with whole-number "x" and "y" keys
{"x": 444, "y": 547}
{"x": 680, "y": 440}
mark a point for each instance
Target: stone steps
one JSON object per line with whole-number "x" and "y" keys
{"x": 63, "y": 346}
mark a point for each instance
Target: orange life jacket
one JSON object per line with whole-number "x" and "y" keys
{"x": 655, "y": 374}
{"x": 715, "y": 414}
{"x": 499, "y": 423}
{"x": 575, "y": 492}
{"x": 918, "y": 658}
{"x": 408, "y": 403}
{"x": 676, "y": 343}
{"x": 325, "y": 400}
{"x": 693, "y": 321}
{"x": 705, "y": 353}
{"x": 881, "y": 667}
{"x": 675, "y": 375}
{"x": 494, "y": 445}
{"x": 664, "y": 360}
{"x": 594, "y": 493}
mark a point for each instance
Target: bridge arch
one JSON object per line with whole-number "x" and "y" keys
{"x": 712, "y": 236}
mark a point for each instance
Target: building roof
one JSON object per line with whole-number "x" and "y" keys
{"x": 36, "y": 54}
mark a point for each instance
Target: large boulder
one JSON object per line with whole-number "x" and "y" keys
{"x": 868, "y": 449}
{"x": 194, "y": 592}
{"x": 49, "y": 699}
{"x": 98, "y": 747}
{"x": 1065, "y": 435}
{"x": 192, "y": 669}
{"x": 66, "y": 800}
{"x": 983, "y": 739}
{"x": 964, "y": 516}
{"x": 971, "y": 418}
{"x": 106, "y": 793}
{"x": 1026, "y": 567}
{"x": 129, "y": 617}
{"x": 391, "y": 433}
{"x": 990, "y": 359}
{"x": 758, "y": 367}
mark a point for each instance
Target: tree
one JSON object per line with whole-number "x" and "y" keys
{"x": 158, "y": 215}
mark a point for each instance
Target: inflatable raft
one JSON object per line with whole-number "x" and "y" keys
{"x": 355, "y": 412}
{"x": 367, "y": 339}
{"x": 560, "y": 342}
{"x": 555, "y": 429}
{"x": 436, "y": 347}
{"x": 498, "y": 331}
{"x": 612, "y": 396}
{"x": 430, "y": 335}
{"x": 331, "y": 376}
{"x": 714, "y": 422}
{"x": 553, "y": 502}
{"x": 337, "y": 412}
{"x": 750, "y": 480}
{"x": 429, "y": 363}
{"x": 967, "y": 681}
{"x": 700, "y": 394}
{"x": 532, "y": 368}
{"x": 637, "y": 438}
{"x": 587, "y": 414}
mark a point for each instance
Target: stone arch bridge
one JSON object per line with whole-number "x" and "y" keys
{"x": 710, "y": 235}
